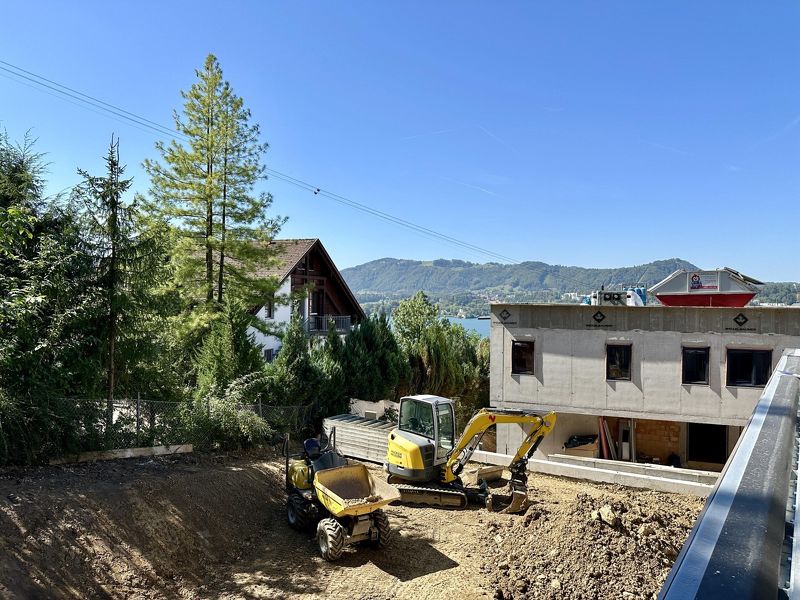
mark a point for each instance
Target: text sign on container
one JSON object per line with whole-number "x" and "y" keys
{"x": 704, "y": 281}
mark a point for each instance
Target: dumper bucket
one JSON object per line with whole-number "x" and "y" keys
{"x": 351, "y": 491}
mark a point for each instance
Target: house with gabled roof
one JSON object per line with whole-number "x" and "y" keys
{"x": 304, "y": 267}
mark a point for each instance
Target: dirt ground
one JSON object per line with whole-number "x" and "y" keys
{"x": 201, "y": 526}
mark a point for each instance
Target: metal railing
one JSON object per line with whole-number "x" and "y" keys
{"x": 319, "y": 324}
{"x": 746, "y": 541}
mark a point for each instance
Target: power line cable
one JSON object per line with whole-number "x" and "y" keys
{"x": 135, "y": 119}
{"x": 139, "y": 122}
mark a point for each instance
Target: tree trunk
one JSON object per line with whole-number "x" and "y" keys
{"x": 209, "y": 210}
{"x": 112, "y": 286}
{"x": 224, "y": 230}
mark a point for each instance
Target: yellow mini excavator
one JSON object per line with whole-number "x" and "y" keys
{"x": 424, "y": 459}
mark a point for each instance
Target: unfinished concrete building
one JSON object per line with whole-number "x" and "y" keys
{"x": 672, "y": 382}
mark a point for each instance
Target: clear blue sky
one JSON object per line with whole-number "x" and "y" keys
{"x": 593, "y": 134}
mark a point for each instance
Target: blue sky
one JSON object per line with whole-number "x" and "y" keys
{"x": 597, "y": 134}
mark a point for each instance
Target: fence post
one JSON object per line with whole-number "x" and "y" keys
{"x": 260, "y": 414}
{"x": 138, "y": 417}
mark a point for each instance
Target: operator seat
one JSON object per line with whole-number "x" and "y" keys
{"x": 312, "y": 448}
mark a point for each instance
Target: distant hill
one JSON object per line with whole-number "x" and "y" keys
{"x": 465, "y": 287}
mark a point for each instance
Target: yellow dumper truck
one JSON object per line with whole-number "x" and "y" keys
{"x": 342, "y": 499}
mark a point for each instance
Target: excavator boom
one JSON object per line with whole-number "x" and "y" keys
{"x": 485, "y": 418}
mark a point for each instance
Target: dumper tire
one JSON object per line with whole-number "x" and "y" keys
{"x": 331, "y": 539}
{"x": 381, "y": 522}
{"x": 297, "y": 512}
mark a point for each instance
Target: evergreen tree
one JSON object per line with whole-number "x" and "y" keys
{"x": 295, "y": 375}
{"x": 129, "y": 260}
{"x": 205, "y": 188}
{"x": 373, "y": 361}
{"x": 329, "y": 361}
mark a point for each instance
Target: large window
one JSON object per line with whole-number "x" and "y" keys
{"x": 749, "y": 368}
{"x": 618, "y": 362}
{"x": 695, "y": 365}
{"x": 522, "y": 358}
{"x": 416, "y": 417}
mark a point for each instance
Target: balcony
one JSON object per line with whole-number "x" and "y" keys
{"x": 319, "y": 324}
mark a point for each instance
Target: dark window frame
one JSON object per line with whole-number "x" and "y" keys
{"x": 629, "y": 376}
{"x": 269, "y": 309}
{"x": 757, "y": 372}
{"x": 516, "y": 367}
{"x": 695, "y": 350}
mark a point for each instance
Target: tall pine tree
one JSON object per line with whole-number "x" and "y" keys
{"x": 129, "y": 260}
{"x": 205, "y": 188}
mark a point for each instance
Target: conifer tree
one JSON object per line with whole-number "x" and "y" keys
{"x": 205, "y": 187}
{"x": 129, "y": 261}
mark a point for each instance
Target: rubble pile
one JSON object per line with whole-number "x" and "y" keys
{"x": 607, "y": 545}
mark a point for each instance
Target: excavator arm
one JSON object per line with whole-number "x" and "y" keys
{"x": 541, "y": 425}
{"x": 482, "y": 421}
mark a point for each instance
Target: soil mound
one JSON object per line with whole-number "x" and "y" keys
{"x": 611, "y": 544}
{"x": 129, "y": 529}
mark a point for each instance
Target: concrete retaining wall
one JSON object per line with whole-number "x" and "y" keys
{"x": 645, "y": 480}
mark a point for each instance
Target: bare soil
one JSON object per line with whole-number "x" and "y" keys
{"x": 201, "y": 526}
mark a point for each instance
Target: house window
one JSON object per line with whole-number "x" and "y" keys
{"x": 618, "y": 362}
{"x": 269, "y": 309}
{"x": 695, "y": 365}
{"x": 749, "y": 368}
{"x": 269, "y": 355}
{"x": 522, "y": 358}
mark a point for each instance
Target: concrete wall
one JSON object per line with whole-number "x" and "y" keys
{"x": 570, "y": 358}
{"x": 282, "y": 316}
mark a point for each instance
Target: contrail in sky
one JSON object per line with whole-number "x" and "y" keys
{"x": 469, "y": 185}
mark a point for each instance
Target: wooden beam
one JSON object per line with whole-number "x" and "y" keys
{"x": 123, "y": 453}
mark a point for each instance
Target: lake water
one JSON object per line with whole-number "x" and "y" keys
{"x": 482, "y": 326}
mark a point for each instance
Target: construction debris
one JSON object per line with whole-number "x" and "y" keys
{"x": 594, "y": 545}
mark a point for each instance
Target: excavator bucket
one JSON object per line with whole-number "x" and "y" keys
{"x": 519, "y": 502}
{"x": 515, "y": 502}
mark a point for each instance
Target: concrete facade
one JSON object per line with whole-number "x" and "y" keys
{"x": 569, "y": 366}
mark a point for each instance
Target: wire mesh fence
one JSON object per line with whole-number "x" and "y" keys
{"x": 60, "y": 427}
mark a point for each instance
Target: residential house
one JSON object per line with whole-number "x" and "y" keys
{"x": 303, "y": 265}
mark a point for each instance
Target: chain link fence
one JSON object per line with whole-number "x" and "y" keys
{"x": 63, "y": 427}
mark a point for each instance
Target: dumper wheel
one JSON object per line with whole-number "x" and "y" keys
{"x": 331, "y": 538}
{"x": 297, "y": 512}
{"x": 381, "y": 522}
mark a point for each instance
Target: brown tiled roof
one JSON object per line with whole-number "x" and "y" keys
{"x": 287, "y": 254}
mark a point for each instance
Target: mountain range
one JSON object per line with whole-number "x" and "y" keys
{"x": 462, "y": 287}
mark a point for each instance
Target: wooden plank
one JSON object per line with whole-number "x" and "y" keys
{"x": 123, "y": 453}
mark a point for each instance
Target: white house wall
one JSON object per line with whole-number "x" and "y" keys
{"x": 282, "y": 316}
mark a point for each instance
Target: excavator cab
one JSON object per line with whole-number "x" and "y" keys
{"x": 423, "y": 439}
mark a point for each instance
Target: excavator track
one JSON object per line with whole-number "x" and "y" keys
{"x": 432, "y": 496}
